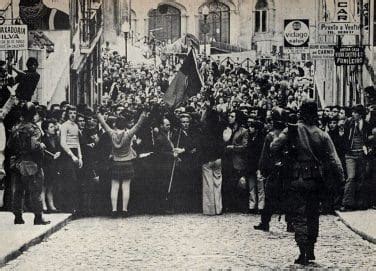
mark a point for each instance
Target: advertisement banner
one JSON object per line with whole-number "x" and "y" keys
{"x": 296, "y": 33}
{"x": 43, "y": 14}
{"x": 13, "y": 37}
{"x": 353, "y": 55}
{"x": 342, "y": 11}
{"x": 344, "y": 28}
{"x": 321, "y": 51}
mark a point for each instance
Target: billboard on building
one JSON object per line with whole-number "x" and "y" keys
{"x": 321, "y": 51}
{"x": 349, "y": 55}
{"x": 337, "y": 28}
{"x": 296, "y": 35}
{"x": 44, "y": 14}
{"x": 13, "y": 37}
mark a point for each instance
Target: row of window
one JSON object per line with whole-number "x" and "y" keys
{"x": 164, "y": 23}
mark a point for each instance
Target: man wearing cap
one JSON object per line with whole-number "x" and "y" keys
{"x": 310, "y": 149}
{"x": 27, "y": 150}
{"x": 357, "y": 130}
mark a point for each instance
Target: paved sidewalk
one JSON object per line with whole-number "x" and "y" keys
{"x": 14, "y": 239}
{"x": 361, "y": 222}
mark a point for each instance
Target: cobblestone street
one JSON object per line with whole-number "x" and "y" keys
{"x": 189, "y": 242}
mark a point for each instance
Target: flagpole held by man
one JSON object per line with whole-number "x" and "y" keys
{"x": 186, "y": 83}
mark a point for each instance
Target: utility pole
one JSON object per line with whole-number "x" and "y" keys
{"x": 361, "y": 18}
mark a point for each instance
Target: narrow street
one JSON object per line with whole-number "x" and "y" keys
{"x": 193, "y": 242}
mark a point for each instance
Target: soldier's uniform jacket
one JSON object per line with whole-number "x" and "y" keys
{"x": 314, "y": 150}
{"x": 26, "y": 149}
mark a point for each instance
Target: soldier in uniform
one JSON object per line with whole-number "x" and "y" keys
{"x": 272, "y": 168}
{"x": 27, "y": 148}
{"x": 312, "y": 148}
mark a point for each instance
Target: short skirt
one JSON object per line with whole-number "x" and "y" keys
{"x": 122, "y": 170}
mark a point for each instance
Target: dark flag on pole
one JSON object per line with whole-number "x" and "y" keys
{"x": 186, "y": 83}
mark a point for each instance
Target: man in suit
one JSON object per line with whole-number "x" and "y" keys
{"x": 234, "y": 197}
{"x": 357, "y": 130}
{"x": 164, "y": 158}
{"x": 186, "y": 185}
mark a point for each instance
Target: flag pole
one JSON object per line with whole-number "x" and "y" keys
{"x": 173, "y": 168}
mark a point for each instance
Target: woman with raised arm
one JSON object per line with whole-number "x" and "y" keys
{"x": 122, "y": 170}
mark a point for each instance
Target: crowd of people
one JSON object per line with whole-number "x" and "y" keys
{"x": 211, "y": 154}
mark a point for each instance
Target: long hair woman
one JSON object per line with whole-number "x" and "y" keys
{"x": 122, "y": 169}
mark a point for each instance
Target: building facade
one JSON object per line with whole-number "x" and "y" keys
{"x": 49, "y": 44}
{"x": 258, "y": 26}
{"x": 86, "y": 19}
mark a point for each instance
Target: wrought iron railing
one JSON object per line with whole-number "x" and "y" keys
{"x": 246, "y": 63}
{"x": 223, "y": 46}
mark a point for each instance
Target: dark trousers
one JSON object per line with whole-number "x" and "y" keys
{"x": 235, "y": 198}
{"x": 33, "y": 184}
{"x": 70, "y": 185}
{"x": 305, "y": 215}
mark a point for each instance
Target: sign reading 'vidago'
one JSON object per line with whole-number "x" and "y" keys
{"x": 349, "y": 56}
{"x": 296, "y": 36}
{"x": 13, "y": 37}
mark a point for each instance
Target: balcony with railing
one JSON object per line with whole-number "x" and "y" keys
{"x": 226, "y": 47}
{"x": 91, "y": 27}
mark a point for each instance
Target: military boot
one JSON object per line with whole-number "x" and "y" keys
{"x": 18, "y": 219}
{"x": 311, "y": 252}
{"x": 38, "y": 220}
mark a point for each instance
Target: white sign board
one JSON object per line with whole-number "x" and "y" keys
{"x": 13, "y": 37}
{"x": 321, "y": 51}
{"x": 339, "y": 29}
{"x": 296, "y": 33}
{"x": 296, "y": 50}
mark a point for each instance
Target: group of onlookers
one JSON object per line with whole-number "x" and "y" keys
{"x": 206, "y": 155}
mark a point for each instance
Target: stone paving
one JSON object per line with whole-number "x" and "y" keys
{"x": 193, "y": 242}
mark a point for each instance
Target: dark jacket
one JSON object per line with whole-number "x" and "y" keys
{"x": 239, "y": 140}
{"x": 254, "y": 148}
{"x": 339, "y": 142}
{"x": 349, "y": 132}
{"x": 163, "y": 152}
{"x": 51, "y": 165}
{"x": 314, "y": 149}
{"x": 211, "y": 145}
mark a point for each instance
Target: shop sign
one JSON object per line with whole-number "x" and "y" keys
{"x": 13, "y": 37}
{"x": 296, "y": 33}
{"x": 350, "y": 55}
{"x": 321, "y": 51}
{"x": 344, "y": 28}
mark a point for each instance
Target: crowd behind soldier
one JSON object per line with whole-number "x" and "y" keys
{"x": 208, "y": 155}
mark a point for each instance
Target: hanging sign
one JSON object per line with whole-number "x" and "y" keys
{"x": 342, "y": 11}
{"x": 13, "y": 37}
{"x": 296, "y": 36}
{"x": 353, "y": 55}
{"x": 344, "y": 28}
{"x": 321, "y": 51}
{"x": 296, "y": 33}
